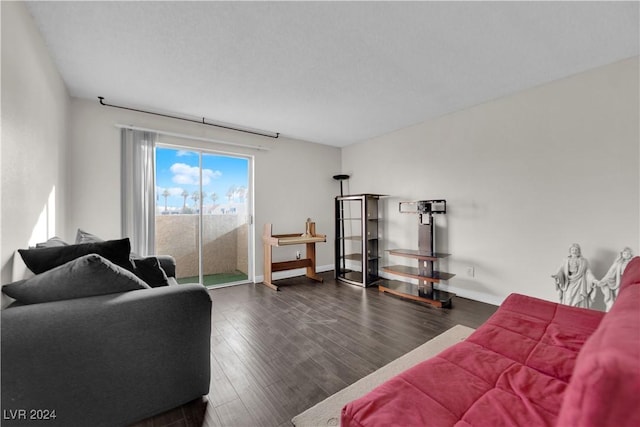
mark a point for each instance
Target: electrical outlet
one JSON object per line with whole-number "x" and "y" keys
{"x": 298, "y": 255}
{"x": 470, "y": 271}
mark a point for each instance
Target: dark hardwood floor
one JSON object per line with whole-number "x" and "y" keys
{"x": 275, "y": 354}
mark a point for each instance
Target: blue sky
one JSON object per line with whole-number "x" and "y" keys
{"x": 177, "y": 170}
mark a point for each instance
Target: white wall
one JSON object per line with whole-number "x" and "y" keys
{"x": 35, "y": 111}
{"x": 292, "y": 180}
{"x": 524, "y": 177}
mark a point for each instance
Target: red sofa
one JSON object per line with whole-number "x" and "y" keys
{"x": 533, "y": 363}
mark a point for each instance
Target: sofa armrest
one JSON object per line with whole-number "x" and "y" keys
{"x": 109, "y": 359}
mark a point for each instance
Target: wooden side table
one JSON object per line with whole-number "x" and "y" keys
{"x": 309, "y": 238}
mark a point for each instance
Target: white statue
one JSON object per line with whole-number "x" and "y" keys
{"x": 307, "y": 232}
{"x": 574, "y": 280}
{"x": 610, "y": 283}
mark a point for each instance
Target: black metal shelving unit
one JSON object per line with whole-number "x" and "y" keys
{"x": 356, "y": 244}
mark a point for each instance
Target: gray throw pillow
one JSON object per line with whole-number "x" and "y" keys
{"x": 52, "y": 242}
{"x": 86, "y": 276}
{"x": 84, "y": 237}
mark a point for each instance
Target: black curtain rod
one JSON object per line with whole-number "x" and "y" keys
{"x": 101, "y": 98}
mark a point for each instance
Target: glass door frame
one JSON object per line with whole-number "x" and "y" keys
{"x": 200, "y": 151}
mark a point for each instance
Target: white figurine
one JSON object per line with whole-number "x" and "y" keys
{"x": 307, "y": 232}
{"x": 574, "y": 280}
{"x": 610, "y": 283}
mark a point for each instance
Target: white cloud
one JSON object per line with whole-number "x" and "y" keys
{"x": 189, "y": 175}
{"x": 182, "y": 153}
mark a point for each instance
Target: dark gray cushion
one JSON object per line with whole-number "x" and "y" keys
{"x": 168, "y": 264}
{"x": 149, "y": 270}
{"x": 86, "y": 276}
{"x": 40, "y": 260}
{"x": 52, "y": 242}
{"x": 85, "y": 237}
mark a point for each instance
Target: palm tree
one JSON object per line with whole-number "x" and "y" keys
{"x": 195, "y": 196}
{"x": 231, "y": 192}
{"x": 214, "y": 198}
{"x": 242, "y": 192}
{"x": 165, "y": 194}
{"x": 184, "y": 195}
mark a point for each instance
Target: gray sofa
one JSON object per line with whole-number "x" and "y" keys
{"x": 107, "y": 360}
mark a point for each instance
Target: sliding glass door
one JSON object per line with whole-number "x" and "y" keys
{"x": 203, "y": 214}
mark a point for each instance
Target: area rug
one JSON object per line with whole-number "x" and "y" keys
{"x": 327, "y": 412}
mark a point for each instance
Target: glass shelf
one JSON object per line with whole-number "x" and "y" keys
{"x": 417, "y": 293}
{"x": 414, "y": 253}
{"x": 414, "y": 273}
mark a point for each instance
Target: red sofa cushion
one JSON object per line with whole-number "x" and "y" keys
{"x": 513, "y": 370}
{"x": 605, "y": 387}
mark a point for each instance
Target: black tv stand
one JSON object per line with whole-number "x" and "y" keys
{"x": 425, "y": 273}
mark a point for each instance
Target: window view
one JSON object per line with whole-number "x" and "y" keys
{"x": 202, "y": 215}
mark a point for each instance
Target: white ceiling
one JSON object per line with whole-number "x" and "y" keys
{"x": 329, "y": 72}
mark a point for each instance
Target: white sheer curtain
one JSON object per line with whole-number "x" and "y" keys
{"x": 138, "y": 189}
